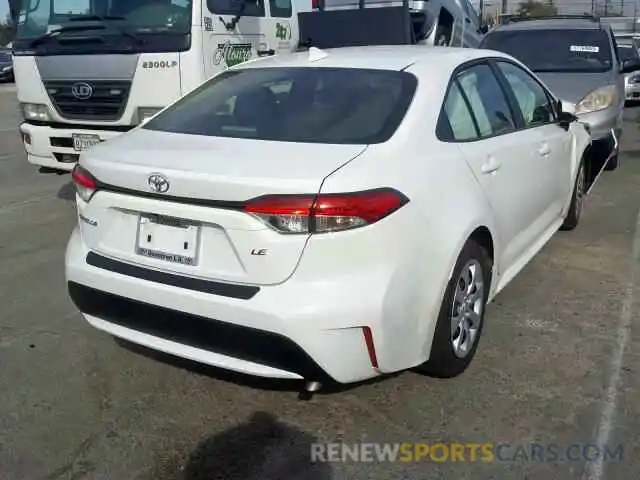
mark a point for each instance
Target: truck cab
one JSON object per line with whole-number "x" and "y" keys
{"x": 88, "y": 70}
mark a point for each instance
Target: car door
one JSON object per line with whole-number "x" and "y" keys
{"x": 499, "y": 153}
{"x": 553, "y": 144}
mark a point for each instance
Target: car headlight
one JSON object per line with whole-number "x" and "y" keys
{"x": 6, "y": 69}
{"x": 597, "y": 100}
{"x": 35, "y": 111}
{"x": 145, "y": 113}
{"x": 634, "y": 79}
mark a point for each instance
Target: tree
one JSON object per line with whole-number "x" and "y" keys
{"x": 533, "y": 8}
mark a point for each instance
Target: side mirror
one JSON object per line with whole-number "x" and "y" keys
{"x": 566, "y": 114}
{"x": 632, "y": 65}
{"x": 566, "y": 107}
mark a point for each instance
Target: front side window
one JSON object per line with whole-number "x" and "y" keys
{"x": 532, "y": 99}
{"x": 584, "y": 50}
{"x": 245, "y": 8}
{"x": 307, "y": 105}
{"x": 487, "y": 100}
{"x": 282, "y": 9}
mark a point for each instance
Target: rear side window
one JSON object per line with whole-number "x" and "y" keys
{"x": 487, "y": 101}
{"x": 463, "y": 125}
{"x": 308, "y": 105}
{"x": 235, "y": 7}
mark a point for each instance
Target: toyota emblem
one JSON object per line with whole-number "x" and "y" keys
{"x": 158, "y": 183}
{"x": 81, "y": 90}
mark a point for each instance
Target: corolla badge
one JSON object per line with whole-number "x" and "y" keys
{"x": 81, "y": 90}
{"x": 158, "y": 183}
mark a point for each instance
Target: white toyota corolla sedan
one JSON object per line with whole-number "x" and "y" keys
{"x": 326, "y": 215}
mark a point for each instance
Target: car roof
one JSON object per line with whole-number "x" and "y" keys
{"x": 551, "y": 24}
{"x": 382, "y": 57}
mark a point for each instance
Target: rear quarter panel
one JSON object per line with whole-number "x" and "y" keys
{"x": 418, "y": 244}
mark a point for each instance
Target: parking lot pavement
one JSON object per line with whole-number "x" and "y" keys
{"x": 558, "y": 365}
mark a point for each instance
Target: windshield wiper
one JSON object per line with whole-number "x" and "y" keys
{"x": 95, "y": 18}
{"x": 57, "y": 31}
{"x": 103, "y": 18}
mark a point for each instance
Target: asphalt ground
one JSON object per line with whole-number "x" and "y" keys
{"x": 557, "y": 366}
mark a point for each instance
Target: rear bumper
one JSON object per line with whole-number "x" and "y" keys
{"x": 293, "y": 330}
{"x": 53, "y": 147}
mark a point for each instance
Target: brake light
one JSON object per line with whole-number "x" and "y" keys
{"x": 85, "y": 184}
{"x": 315, "y": 4}
{"x": 330, "y": 212}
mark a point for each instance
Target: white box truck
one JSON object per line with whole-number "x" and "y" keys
{"x": 88, "y": 70}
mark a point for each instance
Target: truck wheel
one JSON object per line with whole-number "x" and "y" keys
{"x": 575, "y": 210}
{"x": 461, "y": 316}
{"x": 443, "y": 36}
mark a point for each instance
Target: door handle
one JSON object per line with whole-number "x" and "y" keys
{"x": 544, "y": 150}
{"x": 490, "y": 166}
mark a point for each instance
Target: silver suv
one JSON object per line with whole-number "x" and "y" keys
{"x": 578, "y": 59}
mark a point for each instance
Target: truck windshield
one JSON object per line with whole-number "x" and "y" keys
{"x": 306, "y": 105}
{"x": 39, "y": 17}
{"x": 555, "y": 50}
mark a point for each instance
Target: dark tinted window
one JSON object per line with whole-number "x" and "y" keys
{"x": 555, "y": 50}
{"x": 233, "y": 7}
{"x": 281, "y": 9}
{"x": 487, "y": 101}
{"x": 312, "y": 105}
{"x": 627, "y": 52}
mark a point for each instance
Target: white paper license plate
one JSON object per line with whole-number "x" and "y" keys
{"x": 82, "y": 142}
{"x": 169, "y": 239}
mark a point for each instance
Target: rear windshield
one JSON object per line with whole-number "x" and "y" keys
{"x": 555, "y": 50}
{"x": 308, "y": 105}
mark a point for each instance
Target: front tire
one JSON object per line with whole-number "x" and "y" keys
{"x": 577, "y": 199}
{"x": 461, "y": 316}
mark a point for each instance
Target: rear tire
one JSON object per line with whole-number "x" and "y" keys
{"x": 577, "y": 198}
{"x": 461, "y": 316}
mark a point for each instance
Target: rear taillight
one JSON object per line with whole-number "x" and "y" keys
{"x": 315, "y": 4}
{"x": 323, "y": 213}
{"x": 85, "y": 184}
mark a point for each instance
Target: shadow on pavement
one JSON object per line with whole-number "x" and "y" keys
{"x": 262, "y": 449}
{"x": 67, "y": 192}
